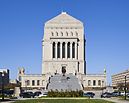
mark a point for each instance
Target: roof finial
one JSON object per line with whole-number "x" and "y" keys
{"x": 63, "y": 12}
{"x": 104, "y": 71}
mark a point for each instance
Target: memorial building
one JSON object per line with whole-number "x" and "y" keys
{"x": 63, "y": 58}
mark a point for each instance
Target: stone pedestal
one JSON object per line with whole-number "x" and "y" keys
{"x": 17, "y": 91}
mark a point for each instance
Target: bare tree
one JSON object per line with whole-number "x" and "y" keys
{"x": 120, "y": 86}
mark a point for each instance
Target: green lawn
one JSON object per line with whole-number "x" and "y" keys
{"x": 63, "y": 101}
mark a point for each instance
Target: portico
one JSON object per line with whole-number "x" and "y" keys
{"x": 64, "y": 50}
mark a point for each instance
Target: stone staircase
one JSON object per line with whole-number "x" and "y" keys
{"x": 68, "y": 82}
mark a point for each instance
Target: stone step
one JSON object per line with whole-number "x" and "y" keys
{"x": 67, "y": 82}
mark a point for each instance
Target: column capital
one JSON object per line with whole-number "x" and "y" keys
{"x": 71, "y": 42}
{"x": 56, "y": 42}
{"x": 66, "y": 42}
{"x": 61, "y": 42}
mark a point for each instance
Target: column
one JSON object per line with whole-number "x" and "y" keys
{"x": 71, "y": 49}
{"x": 66, "y": 50}
{"x": 51, "y": 50}
{"x": 76, "y": 47}
{"x": 56, "y": 50}
{"x": 61, "y": 50}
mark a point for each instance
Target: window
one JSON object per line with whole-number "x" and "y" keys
{"x": 61, "y": 33}
{"x": 71, "y": 33}
{"x": 33, "y": 82}
{"x": 66, "y": 33}
{"x": 53, "y": 47}
{"x": 63, "y": 50}
{"x": 52, "y": 33}
{"x": 89, "y": 82}
{"x": 58, "y": 50}
{"x": 94, "y": 82}
{"x": 76, "y": 34}
{"x": 38, "y": 82}
{"x": 27, "y": 82}
{"x": 73, "y": 50}
{"x": 68, "y": 50}
{"x": 102, "y": 83}
{"x": 99, "y": 82}
{"x": 56, "y": 33}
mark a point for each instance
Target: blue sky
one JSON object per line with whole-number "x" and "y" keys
{"x": 106, "y": 29}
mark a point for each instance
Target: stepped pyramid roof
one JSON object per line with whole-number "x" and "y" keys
{"x": 64, "y": 19}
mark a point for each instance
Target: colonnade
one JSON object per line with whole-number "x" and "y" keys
{"x": 64, "y": 50}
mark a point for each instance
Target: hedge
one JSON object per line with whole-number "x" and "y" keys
{"x": 66, "y": 93}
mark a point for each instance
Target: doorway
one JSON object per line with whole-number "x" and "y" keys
{"x": 63, "y": 70}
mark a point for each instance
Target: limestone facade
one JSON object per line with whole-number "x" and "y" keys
{"x": 63, "y": 47}
{"x": 34, "y": 80}
{"x": 94, "y": 80}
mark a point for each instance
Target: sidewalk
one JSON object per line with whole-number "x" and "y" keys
{"x": 7, "y": 101}
{"x": 116, "y": 100}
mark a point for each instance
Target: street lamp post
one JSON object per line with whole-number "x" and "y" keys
{"x": 125, "y": 87}
{"x": 2, "y": 86}
{"x": 26, "y": 85}
{"x": 102, "y": 86}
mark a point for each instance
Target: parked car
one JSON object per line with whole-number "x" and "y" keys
{"x": 8, "y": 92}
{"x": 36, "y": 94}
{"x": 128, "y": 95}
{"x": 27, "y": 95}
{"x": 43, "y": 94}
{"x": 106, "y": 95}
{"x": 122, "y": 93}
{"x": 115, "y": 94}
{"x": 89, "y": 94}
